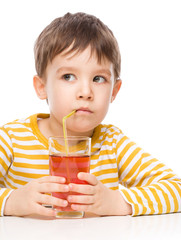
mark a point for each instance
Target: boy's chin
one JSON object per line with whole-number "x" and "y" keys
{"x": 80, "y": 131}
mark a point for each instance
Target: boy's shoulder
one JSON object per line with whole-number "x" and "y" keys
{"x": 11, "y": 129}
{"x": 107, "y": 131}
{"x": 106, "y": 136}
{"x": 17, "y": 123}
{"x": 25, "y": 122}
{"x": 20, "y": 125}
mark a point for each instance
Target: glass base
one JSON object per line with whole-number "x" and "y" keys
{"x": 71, "y": 214}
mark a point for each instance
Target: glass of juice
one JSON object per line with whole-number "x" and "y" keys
{"x": 67, "y": 157}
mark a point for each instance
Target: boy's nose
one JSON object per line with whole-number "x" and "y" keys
{"x": 85, "y": 91}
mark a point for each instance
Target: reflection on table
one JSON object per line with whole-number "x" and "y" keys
{"x": 167, "y": 226}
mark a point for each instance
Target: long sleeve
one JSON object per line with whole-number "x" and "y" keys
{"x": 148, "y": 185}
{"x": 5, "y": 161}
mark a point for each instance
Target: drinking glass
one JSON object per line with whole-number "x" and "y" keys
{"x": 67, "y": 157}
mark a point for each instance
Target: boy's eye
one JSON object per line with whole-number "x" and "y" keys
{"x": 99, "y": 79}
{"x": 69, "y": 77}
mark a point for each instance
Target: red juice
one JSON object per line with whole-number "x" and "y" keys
{"x": 68, "y": 167}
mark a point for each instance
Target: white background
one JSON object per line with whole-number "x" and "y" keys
{"x": 147, "y": 109}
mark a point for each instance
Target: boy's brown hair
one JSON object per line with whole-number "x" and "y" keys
{"x": 78, "y": 30}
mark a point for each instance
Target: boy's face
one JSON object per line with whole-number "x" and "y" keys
{"x": 78, "y": 81}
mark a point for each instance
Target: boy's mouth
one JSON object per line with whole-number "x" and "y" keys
{"x": 83, "y": 110}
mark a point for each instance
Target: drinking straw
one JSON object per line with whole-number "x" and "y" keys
{"x": 65, "y": 130}
{"x": 66, "y": 143}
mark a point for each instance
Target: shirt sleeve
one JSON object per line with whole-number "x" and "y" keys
{"x": 6, "y": 154}
{"x": 147, "y": 184}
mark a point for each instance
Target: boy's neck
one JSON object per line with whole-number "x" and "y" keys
{"x": 43, "y": 127}
{"x": 46, "y": 128}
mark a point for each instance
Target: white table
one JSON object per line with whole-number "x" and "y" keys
{"x": 160, "y": 227}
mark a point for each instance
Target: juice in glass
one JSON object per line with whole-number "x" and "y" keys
{"x": 68, "y": 166}
{"x": 76, "y": 164}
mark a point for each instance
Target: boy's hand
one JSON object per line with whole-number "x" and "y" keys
{"x": 97, "y": 198}
{"x": 28, "y": 199}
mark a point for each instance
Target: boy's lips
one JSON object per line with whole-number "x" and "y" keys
{"x": 83, "y": 110}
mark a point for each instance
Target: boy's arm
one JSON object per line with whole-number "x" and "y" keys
{"x": 30, "y": 198}
{"x": 5, "y": 161}
{"x": 149, "y": 186}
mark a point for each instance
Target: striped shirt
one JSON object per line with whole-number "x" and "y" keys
{"x": 144, "y": 182}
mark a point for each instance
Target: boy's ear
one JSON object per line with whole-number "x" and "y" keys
{"x": 116, "y": 88}
{"x": 39, "y": 86}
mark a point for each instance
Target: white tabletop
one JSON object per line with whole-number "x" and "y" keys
{"x": 166, "y": 226}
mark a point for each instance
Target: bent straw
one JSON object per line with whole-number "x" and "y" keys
{"x": 65, "y": 130}
{"x": 66, "y": 143}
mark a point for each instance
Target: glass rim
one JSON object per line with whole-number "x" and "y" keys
{"x": 70, "y": 137}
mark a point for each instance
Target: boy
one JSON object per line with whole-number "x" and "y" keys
{"x": 78, "y": 67}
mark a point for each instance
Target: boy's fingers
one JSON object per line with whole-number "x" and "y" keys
{"x": 81, "y": 188}
{"x": 41, "y": 210}
{"x": 49, "y": 200}
{"x": 53, "y": 187}
{"x": 90, "y": 178}
{"x": 81, "y": 199}
{"x": 52, "y": 179}
{"x": 44, "y": 211}
{"x": 85, "y": 208}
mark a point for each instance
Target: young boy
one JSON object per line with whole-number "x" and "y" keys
{"x": 78, "y": 67}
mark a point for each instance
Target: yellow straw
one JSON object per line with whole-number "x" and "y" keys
{"x": 65, "y": 130}
{"x": 66, "y": 144}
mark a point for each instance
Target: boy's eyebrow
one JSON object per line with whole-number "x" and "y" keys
{"x": 65, "y": 69}
{"x": 105, "y": 71}
{"x": 97, "y": 71}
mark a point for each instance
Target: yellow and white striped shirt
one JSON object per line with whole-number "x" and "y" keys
{"x": 148, "y": 185}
